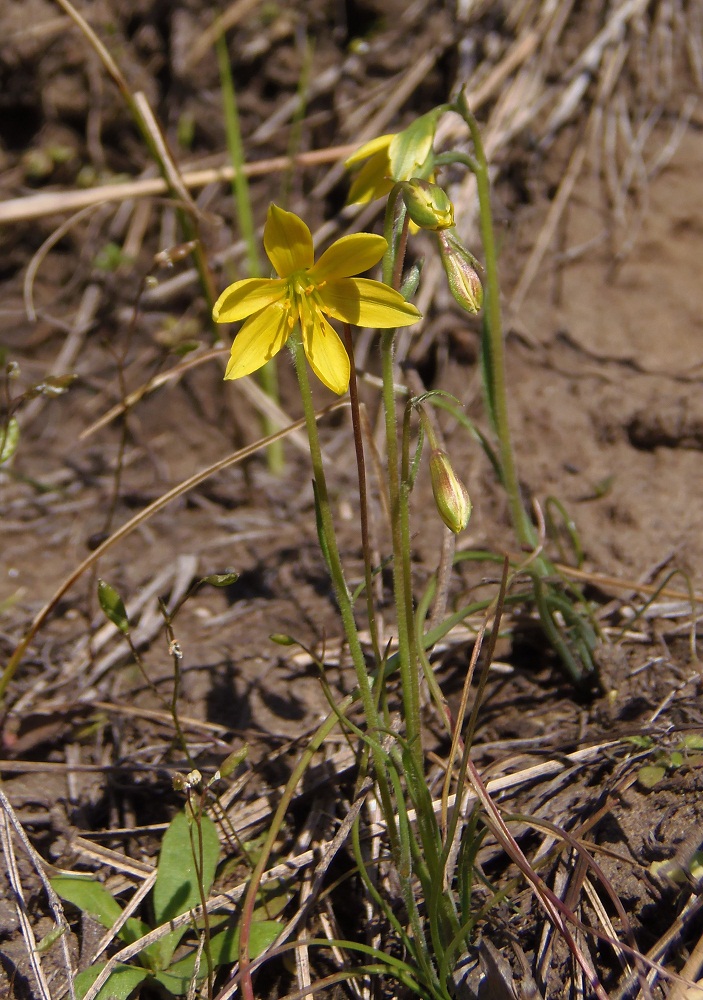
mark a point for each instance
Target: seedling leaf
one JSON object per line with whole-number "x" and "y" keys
{"x": 650, "y": 775}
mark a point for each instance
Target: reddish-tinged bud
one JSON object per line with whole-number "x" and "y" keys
{"x": 450, "y": 494}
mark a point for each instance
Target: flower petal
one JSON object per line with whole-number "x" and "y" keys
{"x": 327, "y": 354}
{"x": 350, "y": 255}
{"x": 287, "y": 241}
{"x": 363, "y": 302}
{"x": 373, "y": 181}
{"x": 369, "y": 148}
{"x": 258, "y": 341}
{"x": 244, "y": 298}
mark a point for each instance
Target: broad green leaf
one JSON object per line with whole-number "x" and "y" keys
{"x": 113, "y": 606}
{"x": 121, "y": 984}
{"x": 224, "y": 949}
{"x": 92, "y": 897}
{"x": 693, "y": 741}
{"x": 88, "y": 895}
{"x": 176, "y": 888}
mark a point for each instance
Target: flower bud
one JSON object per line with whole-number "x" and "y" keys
{"x": 450, "y": 494}
{"x": 428, "y": 204}
{"x": 460, "y": 268}
{"x": 410, "y": 151}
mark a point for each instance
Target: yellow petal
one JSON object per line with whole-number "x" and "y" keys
{"x": 363, "y": 302}
{"x": 244, "y": 298}
{"x": 287, "y": 241}
{"x": 327, "y": 354}
{"x": 373, "y": 181}
{"x": 350, "y": 255}
{"x": 260, "y": 338}
{"x": 369, "y": 148}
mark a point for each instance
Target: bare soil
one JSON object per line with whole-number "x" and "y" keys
{"x": 605, "y": 362}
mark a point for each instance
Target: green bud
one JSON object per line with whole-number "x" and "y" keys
{"x": 460, "y": 268}
{"x": 450, "y": 494}
{"x": 410, "y": 151}
{"x": 428, "y": 204}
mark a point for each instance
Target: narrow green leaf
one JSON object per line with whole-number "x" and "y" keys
{"x": 57, "y": 931}
{"x": 113, "y": 606}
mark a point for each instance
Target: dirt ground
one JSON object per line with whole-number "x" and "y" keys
{"x": 599, "y": 208}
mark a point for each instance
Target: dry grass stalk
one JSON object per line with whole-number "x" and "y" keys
{"x": 47, "y": 203}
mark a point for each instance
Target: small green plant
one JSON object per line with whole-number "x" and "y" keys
{"x": 665, "y": 760}
{"x": 187, "y": 863}
{"x": 53, "y": 385}
{"x": 432, "y": 851}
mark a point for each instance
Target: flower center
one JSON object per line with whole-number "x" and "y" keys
{"x": 302, "y": 301}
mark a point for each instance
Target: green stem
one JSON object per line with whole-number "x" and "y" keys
{"x": 249, "y": 904}
{"x": 398, "y": 497}
{"x": 339, "y": 583}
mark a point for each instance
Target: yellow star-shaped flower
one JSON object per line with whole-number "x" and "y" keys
{"x": 304, "y": 293}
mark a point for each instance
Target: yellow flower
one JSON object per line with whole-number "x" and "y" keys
{"x": 374, "y": 179}
{"x": 391, "y": 158}
{"x": 302, "y": 293}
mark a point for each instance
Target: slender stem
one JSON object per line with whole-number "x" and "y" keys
{"x": 339, "y": 583}
{"x": 398, "y": 496}
{"x": 413, "y": 722}
{"x": 363, "y": 496}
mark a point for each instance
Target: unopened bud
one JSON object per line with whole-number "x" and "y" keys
{"x": 428, "y": 204}
{"x": 450, "y": 494}
{"x": 410, "y": 151}
{"x": 460, "y": 269}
